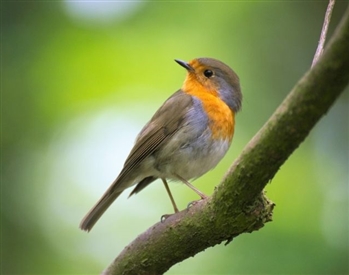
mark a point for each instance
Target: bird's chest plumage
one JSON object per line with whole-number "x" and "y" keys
{"x": 202, "y": 140}
{"x": 221, "y": 118}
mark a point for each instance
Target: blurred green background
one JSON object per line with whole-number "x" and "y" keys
{"x": 79, "y": 80}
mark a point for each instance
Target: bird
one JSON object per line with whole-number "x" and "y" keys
{"x": 186, "y": 137}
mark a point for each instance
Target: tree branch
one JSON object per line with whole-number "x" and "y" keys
{"x": 238, "y": 204}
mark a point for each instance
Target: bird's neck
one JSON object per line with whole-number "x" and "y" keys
{"x": 192, "y": 86}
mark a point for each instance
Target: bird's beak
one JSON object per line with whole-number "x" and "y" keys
{"x": 185, "y": 65}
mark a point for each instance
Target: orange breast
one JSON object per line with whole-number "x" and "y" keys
{"x": 222, "y": 118}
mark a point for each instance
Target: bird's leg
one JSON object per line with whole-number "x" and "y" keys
{"x": 170, "y": 195}
{"x": 187, "y": 183}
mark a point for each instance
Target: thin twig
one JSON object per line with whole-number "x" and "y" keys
{"x": 320, "y": 47}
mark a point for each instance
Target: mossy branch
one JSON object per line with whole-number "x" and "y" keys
{"x": 238, "y": 204}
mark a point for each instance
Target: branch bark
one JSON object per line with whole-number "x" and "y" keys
{"x": 238, "y": 204}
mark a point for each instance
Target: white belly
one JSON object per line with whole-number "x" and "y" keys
{"x": 192, "y": 162}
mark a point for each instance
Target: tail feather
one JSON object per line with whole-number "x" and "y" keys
{"x": 142, "y": 184}
{"x": 97, "y": 211}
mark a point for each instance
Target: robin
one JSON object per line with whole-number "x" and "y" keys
{"x": 186, "y": 137}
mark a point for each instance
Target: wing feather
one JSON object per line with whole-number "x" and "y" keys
{"x": 165, "y": 122}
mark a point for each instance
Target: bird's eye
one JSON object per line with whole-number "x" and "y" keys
{"x": 208, "y": 73}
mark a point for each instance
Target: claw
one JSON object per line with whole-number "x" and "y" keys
{"x": 164, "y": 217}
{"x": 192, "y": 203}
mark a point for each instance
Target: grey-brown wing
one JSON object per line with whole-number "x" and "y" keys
{"x": 165, "y": 122}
